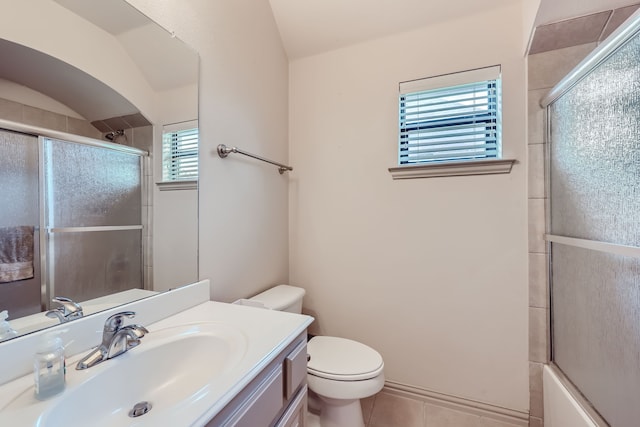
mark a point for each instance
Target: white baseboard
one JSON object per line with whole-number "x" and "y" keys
{"x": 487, "y": 410}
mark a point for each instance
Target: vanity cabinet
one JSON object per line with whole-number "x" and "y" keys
{"x": 276, "y": 397}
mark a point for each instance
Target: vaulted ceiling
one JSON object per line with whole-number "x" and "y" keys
{"x": 308, "y": 27}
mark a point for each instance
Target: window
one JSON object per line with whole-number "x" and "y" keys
{"x": 451, "y": 119}
{"x": 180, "y": 152}
{"x": 442, "y": 122}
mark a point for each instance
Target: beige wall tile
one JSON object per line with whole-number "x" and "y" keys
{"x": 10, "y": 110}
{"x": 149, "y": 183}
{"x": 149, "y": 165}
{"x": 535, "y": 422}
{"x": 490, "y": 422}
{"x": 535, "y": 171}
{"x": 548, "y": 68}
{"x": 127, "y": 139}
{"x": 143, "y": 138}
{"x": 437, "y": 416}
{"x": 538, "y": 280}
{"x": 572, "y": 32}
{"x": 536, "y": 404}
{"x": 538, "y": 333}
{"x": 148, "y": 256}
{"x": 101, "y": 126}
{"x": 145, "y": 219}
{"x": 148, "y": 278}
{"x": 46, "y": 119}
{"x": 116, "y": 123}
{"x": 136, "y": 120}
{"x": 536, "y": 127}
{"x": 537, "y": 226}
{"x": 393, "y": 411}
{"x": 82, "y": 127}
{"x": 618, "y": 17}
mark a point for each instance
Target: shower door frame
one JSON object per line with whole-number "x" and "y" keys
{"x": 46, "y": 232}
{"x": 622, "y": 35}
{"x": 47, "y": 285}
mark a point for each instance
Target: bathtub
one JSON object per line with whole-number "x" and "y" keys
{"x": 561, "y": 408}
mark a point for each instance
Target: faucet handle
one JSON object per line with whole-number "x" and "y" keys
{"x": 114, "y": 322}
{"x": 69, "y": 306}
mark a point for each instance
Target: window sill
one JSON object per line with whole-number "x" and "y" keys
{"x": 477, "y": 167}
{"x": 177, "y": 185}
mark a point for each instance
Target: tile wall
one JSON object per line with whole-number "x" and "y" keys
{"x": 142, "y": 138}
{"x": 17, "y": 112}
{"x": 545, "y": 70}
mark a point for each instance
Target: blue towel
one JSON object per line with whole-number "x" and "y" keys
{"x": 16, "y": 253}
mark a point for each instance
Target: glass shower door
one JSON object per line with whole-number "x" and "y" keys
{"x": 93, "y": 217}
{"x": 595, "y": 233}
{"x": 19, "y": 206}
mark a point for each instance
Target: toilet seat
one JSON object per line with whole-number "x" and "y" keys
{"x": 342, "y": 359}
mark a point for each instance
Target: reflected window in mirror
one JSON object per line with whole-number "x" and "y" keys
{"x": 180, "y": 152}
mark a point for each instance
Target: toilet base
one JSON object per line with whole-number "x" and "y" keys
{"x": 340, "y": 412}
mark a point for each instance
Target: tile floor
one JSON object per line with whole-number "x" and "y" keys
{"x": 390, "y": 410}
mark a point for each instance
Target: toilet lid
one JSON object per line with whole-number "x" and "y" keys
{"x": 342, "y": 359}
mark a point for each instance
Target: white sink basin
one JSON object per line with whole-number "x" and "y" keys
{"x": 159, "y": 371}
{"x": 189, "y": 367}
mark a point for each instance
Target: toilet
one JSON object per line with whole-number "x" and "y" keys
{"x": 340, "y": 371}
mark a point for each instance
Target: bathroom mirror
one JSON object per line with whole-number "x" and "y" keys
{"x": 107, "y": 72}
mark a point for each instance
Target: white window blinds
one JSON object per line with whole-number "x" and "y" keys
{"x": 454, "y": 117}
{"x": 180, "y": 152}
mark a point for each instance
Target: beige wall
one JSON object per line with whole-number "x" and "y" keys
{"x": 430, "y": 272}
{"x": 243, "y": 234}
{"x": 529, "y": 13}
{"x": 175, "y": 213}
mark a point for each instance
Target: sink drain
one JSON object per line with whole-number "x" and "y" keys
{"x": 140, "y": 409}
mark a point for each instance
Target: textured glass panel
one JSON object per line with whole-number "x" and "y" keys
{"x": 18, "y": 179}
{"x": 92, "y": 186}
{"x": 595, "y": 153}
{"x": 19, "y": 206}
{"x": 596, "y": 328}
{"x": 93, "y": 264}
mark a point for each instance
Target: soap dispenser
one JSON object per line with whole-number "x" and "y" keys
{"x": 49, "y": 367}
{"x": 6, "y": 331}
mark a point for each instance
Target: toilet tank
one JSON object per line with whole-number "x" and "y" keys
{"x": 281, "y": 298}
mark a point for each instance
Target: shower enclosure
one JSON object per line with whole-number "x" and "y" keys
{"x": 84, "y": 202}
{"x": 594, "y": 226}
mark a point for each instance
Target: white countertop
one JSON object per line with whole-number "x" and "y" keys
{"x": 267, "y": 333}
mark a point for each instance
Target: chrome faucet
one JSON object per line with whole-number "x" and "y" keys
{"x": 116, "y": 339}
{"x": 68, "y": 310}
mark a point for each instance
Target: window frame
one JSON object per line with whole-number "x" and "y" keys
{"x": 453, "y": 167}
{"x": 167, "y": 183}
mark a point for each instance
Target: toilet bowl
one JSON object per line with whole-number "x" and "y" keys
{"x": 340, "y": 371}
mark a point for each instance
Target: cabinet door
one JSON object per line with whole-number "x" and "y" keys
{"x": 263, "y": 406}
{"x": 295, "y": 369}
{"x": 296, "y": 414}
